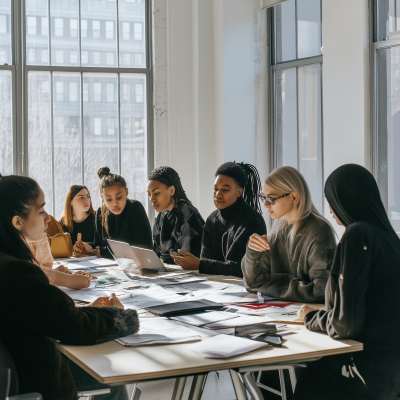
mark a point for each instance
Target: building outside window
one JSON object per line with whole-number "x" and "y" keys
{"x": 31, "y": 25}
{"x": 73, "y": 27}
{"x": 297, "y": 93}
{"x": 96, "y": 29}
{"x": 44, "y": 26}
{"x": 137, "y": 31}
{"x": 58, "y": 27}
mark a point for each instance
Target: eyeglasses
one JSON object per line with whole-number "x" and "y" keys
{"x": 271, "y": 200}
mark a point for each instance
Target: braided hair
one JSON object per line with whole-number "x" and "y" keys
{"x": 169, "y": 177}
{"x": 246, "y": 176}
{"x": 107, "y": 179}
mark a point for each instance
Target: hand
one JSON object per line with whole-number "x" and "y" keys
{"x": 187, "y": 260}
{"x": 64, "y": 269}
{"x": 304, "y": 310}
{"x": 77, "y": 281}
{"x": 82, "y": 249}
{"x": 80, "y": 272}
{"x": 112, "y": 301}
{"x": 258, "y": 243}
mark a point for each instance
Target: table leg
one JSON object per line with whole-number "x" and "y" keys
{"x": 179, "y": 388}
{"x": 196, "y": 391}
{"x": 240, "y": 390}
{"x": 252, "y": 387}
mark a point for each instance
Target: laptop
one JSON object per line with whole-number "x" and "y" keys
{"x": 143, "y": 258}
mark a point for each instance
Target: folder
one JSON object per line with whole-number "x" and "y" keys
{"x": 184, "y": 307}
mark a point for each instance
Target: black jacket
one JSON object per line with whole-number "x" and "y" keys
{"x": 225, "y": 238}
{"x": 131, "y": 226}
{"x": 178, "y": 229}
{"x": 35, "y": 313}
{"x": 86, "y": 228}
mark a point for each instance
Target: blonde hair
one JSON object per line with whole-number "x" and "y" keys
{"x": 287, "y": 180}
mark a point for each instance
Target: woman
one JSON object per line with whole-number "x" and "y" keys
{"x": 178, "y": 226}
{"x": 229, "y": 228}
{"x": 362, "y": 300}
{"x": 78, "y": 214}
{"x": 38, "y": 313}
{"x": 118, "y": 218}
{"x": 293, "y": 263}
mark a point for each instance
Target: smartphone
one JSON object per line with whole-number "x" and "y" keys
{"x": 174, "y": 254}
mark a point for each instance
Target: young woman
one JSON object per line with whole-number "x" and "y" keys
{"x": 38, "y": 313}
{"x": 118, "y": 218}
{"x": 293, "y": 263}
{"x": 362, "y": 300}
{"x": 178, "y": 226}
{"x": 78, "y": 214}
{"x": 228, "y": 229}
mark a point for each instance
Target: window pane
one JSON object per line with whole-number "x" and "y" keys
{"x": 6, "y": 136}
{"x": 67, "y": 137}
{"x": 39, "y": 133}
{"x": 310, "y": 131}
{"x": 285, "y": 25}
{"x": 388, "y": 128}
{"x": 100, "y": 135}
{"x": 99, "y": 39}
{"x": 134, "y": 137}
{"x": 386, "y": 18}
{"x": 309, "y": 28}
{"x": 37, "y": 31}
{"x": 5, "y": 32}
{"x": 132, "y": 37}
{"x": 64, "y": 37}
{"x": 286, "y": 118}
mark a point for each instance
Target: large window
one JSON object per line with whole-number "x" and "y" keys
{"x": 81, "y": 80}
{"x": 297, "y": 90}
{"x": 387, "y": 105}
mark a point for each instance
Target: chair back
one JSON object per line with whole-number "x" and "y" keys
{"x": 8, "y": 374}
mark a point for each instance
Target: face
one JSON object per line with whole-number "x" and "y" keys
{"x": 226, "y": 191}
{"x": 161, "y": 195}
{"x": 34, "y": 227}
{"x": 335, "y": 217}
{"x": 115, "y": 198}
{"x": 81, "y": 202}
{"x": 283, "y": 206}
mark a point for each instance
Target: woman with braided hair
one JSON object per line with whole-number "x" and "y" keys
{"x": 229, "y": 228}
{"x": 179, "y": 225}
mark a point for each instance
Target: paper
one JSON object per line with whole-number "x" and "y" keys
{"x": 239, "y": 321}
{"x": 96, "y": 262}
{"x": 159, "y": 331}
{"x": 204, "y": 318}
{"x": 224, "y": 346}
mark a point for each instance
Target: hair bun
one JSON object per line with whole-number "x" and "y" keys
{"x": 103, "y": 171}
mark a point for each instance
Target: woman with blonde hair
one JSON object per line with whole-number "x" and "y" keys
{"x": 294, "y": 261}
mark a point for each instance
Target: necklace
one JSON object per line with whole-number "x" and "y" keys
{"x": 81, "y": 219}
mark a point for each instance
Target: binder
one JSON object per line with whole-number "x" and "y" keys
{"x": 184, "y": 307}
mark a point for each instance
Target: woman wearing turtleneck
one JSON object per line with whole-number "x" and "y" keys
{"x": 362, "y": 301}
{"x": 228, "y": 229}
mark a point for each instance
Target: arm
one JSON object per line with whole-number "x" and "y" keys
{"x": 191, "y": 234}
{"x": 345, "y": 319}
{"x": 256, "y": 269}
{"x": 48, "y": 311}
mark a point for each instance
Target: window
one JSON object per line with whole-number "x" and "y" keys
{"x": 127, "y": 59}
{"x": 138, "y": 59}
{"x": 72, "y": 114}
{"x": 137, "y": 32}
{"x": 126, "y": 30}
{"x": 297, "y": 98}
{"x": 386, "y": 107}
{"x": 139, "y": 93}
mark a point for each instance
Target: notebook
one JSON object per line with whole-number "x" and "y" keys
{"x": 184, "y": 307}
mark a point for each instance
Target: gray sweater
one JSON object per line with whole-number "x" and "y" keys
{"x": 294, "y": 273}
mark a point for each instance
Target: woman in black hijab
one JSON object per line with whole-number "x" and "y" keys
{"x": 362, "y": 299}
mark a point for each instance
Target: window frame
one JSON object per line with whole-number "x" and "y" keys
{"x": 274, "y": 66}
{"x": 19, "y": 80}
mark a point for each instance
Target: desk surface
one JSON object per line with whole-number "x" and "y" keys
{"x": 112, "y": 363}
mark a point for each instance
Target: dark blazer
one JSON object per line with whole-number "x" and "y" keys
{"x": 35, "y": 313}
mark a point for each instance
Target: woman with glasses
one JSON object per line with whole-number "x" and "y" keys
{"x": 293, "y": 262}
{"x": 228, "y": 228}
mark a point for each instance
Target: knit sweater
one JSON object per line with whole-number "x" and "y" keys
{"x": 296, "y": 271}
{"x": 225, "y": 238}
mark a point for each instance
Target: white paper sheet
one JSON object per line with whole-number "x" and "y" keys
{"x": 204, "y": 318}
{"x": 96, "y": 262}
{"x": 239, "y": 321}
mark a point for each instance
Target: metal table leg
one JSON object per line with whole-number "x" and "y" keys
{"x": 179, "y": 388}
{"x": 251, "y": 386}
{"x": 196, "y": 391}
{"x": 238, "y": 385}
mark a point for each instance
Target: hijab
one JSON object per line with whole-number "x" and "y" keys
{"x": 353, "y": 195}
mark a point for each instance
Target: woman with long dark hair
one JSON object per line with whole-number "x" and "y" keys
{"x": 362, "y": 300}
{"x": 38, "y": 313}
{"x": 118, "y": 218}
{"x": 228, "y": 229}
{"x": 179, "y": 225}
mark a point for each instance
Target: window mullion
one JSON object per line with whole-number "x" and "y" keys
{"x": 79, "y": 36}
{"x": 49, "y": 30}
{"x": 52, "y": 144}
{"x": 117, "y": 26}
{"x": 82, "y": 134}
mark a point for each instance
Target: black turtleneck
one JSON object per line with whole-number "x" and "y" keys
{"x": 225, "y": 238}
{"x": 131, "y": 226}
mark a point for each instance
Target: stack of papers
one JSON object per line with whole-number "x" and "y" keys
{"x": 149, "y": 333}
{"x": 224, "y": 346}
{"x": 77, "y": 263}
{"x": 239, "y": 321}
{"x": 204, "y": 318}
